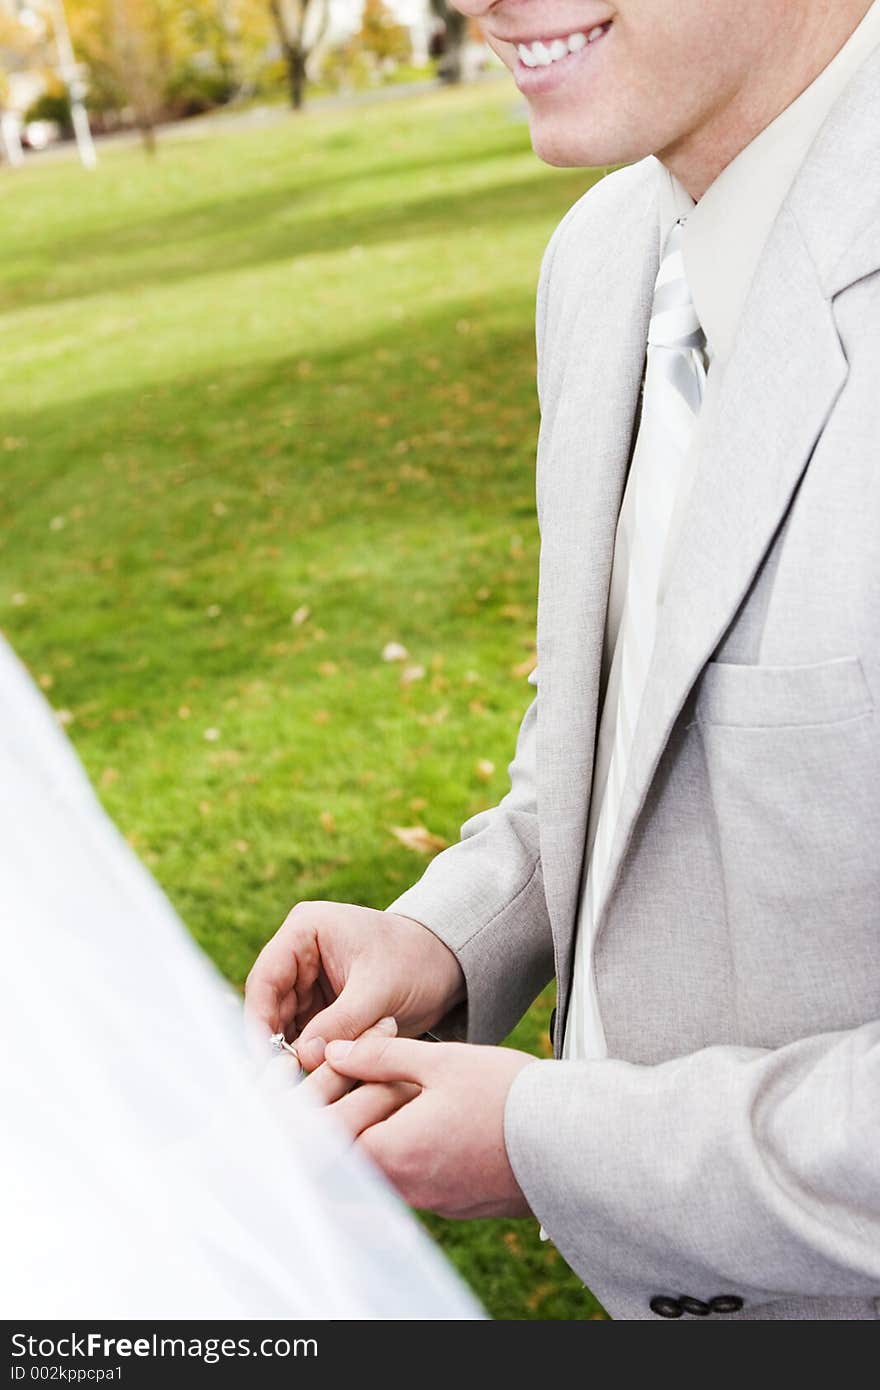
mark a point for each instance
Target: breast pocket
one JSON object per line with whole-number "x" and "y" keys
{"x": 776, "y": 697}
{"x": 792, "y": 767}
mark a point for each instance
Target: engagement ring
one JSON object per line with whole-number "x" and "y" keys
{"x": 280, "y": 1044}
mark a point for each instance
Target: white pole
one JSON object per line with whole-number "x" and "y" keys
{"x": 70, "y": 76}
{"x": 10, "y": 139}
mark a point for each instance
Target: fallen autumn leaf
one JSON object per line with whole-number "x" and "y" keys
{"x": 418, "y": 839}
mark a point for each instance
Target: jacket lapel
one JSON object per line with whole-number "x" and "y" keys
{"x": 584, "y": 452}
{"x": 778, "y": 392}
{"x": 781, "y": 383}
{"x": 780, "y": 387}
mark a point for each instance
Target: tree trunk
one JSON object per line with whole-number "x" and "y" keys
{"x": 451, "y": 68}
{"x": 148, "y": 134}
{"x": 293, "y": 49}
{"x": 137, "y": 69}
{"x": 296, "y": 76}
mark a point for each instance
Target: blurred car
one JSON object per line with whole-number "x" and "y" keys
{"x": 38, "y": 135}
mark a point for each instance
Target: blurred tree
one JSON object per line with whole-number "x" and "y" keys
{"x": 140, "y": 54}
{"x": 54, "y": 106}
{"x": 21, "y": 44}
{"x": 229, "y": 38}
{"x": 381, "y": 36}
{"x": 21, "y": 49}
{"x": 301, "y": 26}
{"x": 155, "y": 59}
{"x": 127, "y": 48}
{"x": 451, "y": 67}
{"x": 223, "y": 34}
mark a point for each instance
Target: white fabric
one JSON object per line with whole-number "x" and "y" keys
{"x": 144, "y": 1172}
{"x": 724, "y": 236}
{"x": 675, "y": 380}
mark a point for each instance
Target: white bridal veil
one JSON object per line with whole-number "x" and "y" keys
{"x": 149, "y": 1167}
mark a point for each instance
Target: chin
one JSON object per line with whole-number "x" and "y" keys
{"x": 556, "y": 141}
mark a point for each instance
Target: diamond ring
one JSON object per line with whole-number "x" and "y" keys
{"x": 280, "y": 1044}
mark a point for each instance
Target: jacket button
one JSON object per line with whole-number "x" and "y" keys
{"x": 695, "y": 1306}
{"x": 666, "y": 1307}
{"x": 552, "y": 1025}
{"x": 725, "y": 1303}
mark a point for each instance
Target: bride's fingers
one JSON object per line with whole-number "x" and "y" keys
{"x": 324, "y": 1085}
{"x": 371, "y": 1104}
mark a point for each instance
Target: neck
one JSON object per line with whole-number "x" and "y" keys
{"x": 791, "y": 61}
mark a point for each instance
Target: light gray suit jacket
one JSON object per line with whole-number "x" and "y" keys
{"x": 731, "y": 1143}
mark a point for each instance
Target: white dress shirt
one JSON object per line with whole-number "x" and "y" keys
{"x": 724, "y": 236}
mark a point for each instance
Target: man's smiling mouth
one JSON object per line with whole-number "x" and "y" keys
{"x": 540, "y": 53}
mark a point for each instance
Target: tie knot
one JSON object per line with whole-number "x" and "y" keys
{"x": 674, "y": 322}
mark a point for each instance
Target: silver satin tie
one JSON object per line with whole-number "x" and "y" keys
{"x": 675, "y": 380}
{"x": 676, "y": 341}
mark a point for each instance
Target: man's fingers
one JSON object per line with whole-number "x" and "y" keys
{"x": 290, "y": 960}
{"x": 371, "y": 1104}
{"x": 349, "y": 1016}
{"x": 261, "y": 1002}
{"x": 325, "y": 1085}
{"x": 383, "y": 1059}
{"x": 311, "y": 1053}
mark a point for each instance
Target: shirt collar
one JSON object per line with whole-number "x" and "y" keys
{"x": 727, "y": 230}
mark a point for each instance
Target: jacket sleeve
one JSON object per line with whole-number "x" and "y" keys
{"x": 484, "y": 896}
{"x": 730, "y": 1171}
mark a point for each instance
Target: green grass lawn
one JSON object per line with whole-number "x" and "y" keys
{"x": 267, "y": 405}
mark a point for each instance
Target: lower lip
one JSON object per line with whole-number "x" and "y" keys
{"x": 535, "y": 81}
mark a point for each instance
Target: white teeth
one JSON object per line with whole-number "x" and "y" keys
{"x": 541, "y": 55}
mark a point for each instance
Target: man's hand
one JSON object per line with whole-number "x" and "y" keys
{"x": 324, "y": 1086}
{"x": 443, "y": 1149}
{"x": 333, "y": 970}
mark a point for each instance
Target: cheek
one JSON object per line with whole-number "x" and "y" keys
{"x": 505, "y": 51}
{"x": 611, "y": 118}
{"x": 649, "y": 88}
